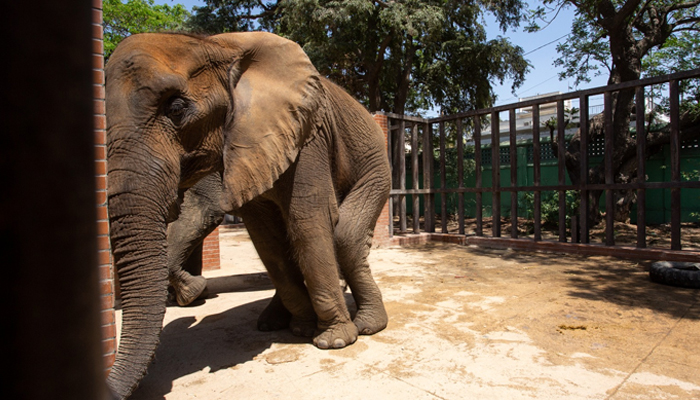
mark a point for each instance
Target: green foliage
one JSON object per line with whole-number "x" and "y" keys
{"x": 549, "y": 206}
{"x": 681, "y": 52}
{"x": 552, "y": 122}
{"x": 399, "y": 56}
{"x": 137, "y": 16}
{"x": 610, "y": 35}
{"x": 220, "y": 16}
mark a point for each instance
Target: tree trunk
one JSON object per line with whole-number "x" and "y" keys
{"x": 403, "y": 81}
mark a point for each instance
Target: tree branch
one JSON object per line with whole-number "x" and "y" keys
{"x": 627, "y": 9}
{"x": 638, "y": 18}
{"x": 687, "y": 21}
{"x": 383, "y": 4}
{"x": 682, "y": 6}
{"x": 688, "y": 29}
{"x": 264, "y": 6}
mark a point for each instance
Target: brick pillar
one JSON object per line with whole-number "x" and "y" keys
{"x": 106, "y": 273}
{"x": 211, "y": 258}
{"x": 381, "y": 230}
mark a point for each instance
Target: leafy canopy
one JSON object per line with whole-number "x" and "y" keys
{"x": 138, "y": 16}
{"x": 614, "y": 36}
{"x": 399, "y": 56}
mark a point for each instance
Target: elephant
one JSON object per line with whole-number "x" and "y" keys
{"x": 301, "y": 161}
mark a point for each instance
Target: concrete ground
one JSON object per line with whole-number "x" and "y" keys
{"x": 465, "y": 323}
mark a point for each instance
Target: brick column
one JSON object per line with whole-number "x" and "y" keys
{"x": 211, "y": 258}
{"x": 381, "y": 230}
{"x": 106, "y": 273}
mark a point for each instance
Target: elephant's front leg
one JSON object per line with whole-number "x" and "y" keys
{"x": 200, "y": 214}
{"x": 316, "y": 257}
{"x": 313, "y": 214}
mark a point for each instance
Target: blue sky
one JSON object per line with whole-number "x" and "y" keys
{"x": 542, "y": 77}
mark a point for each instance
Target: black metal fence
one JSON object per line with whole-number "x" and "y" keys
{"x": 413, "y": 141}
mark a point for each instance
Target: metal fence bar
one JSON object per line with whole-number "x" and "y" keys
{"x": 428, "y": 212}
{"x": 414, "y": 178}
{"x": 513, "y": 176}
{"x": 495, "y": 175}
{"x": 641, "y": 167}
{"x": 609, "y": 179}
{"x": 460, "y": 175}
{"x": 675, "y": 166}
{"x": 401, "y": 152}
{"x": 583, "y": 207}
{"x": 443, "y": 180}
{"x": 478, "y": 180}
{"x": 561, "y": 164}
{"x": 602, "y": 186}
{"x": 537, "y": 172}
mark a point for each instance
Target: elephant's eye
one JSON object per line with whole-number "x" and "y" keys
{"x": 176, "y": 110}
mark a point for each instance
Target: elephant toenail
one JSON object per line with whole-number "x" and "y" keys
{"x": 339, "y": 343}
{"x": 322, "y": 344}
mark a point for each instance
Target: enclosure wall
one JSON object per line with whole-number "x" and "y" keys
{"x": 104, "y": 259}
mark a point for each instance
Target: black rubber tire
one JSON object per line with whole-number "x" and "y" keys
{"x": 681, "y": 274}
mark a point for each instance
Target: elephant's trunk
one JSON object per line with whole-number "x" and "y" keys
{"x": 139, "y": 205}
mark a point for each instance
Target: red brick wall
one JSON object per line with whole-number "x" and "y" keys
{"x": 104, "y": 253}
{"x": 381, "y": 230}
{"x": 211, "y": 258}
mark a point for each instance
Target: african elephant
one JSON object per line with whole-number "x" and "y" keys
{"x": 301, "y": 161}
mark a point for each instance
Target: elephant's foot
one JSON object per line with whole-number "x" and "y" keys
{"x": 274, "y": 317}
{"x": 371, "y": 320}
{"x": 337, "y": 336}
{"x": 190, "y": 289}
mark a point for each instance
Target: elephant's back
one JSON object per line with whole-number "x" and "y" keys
{"x": 359, "y": 150}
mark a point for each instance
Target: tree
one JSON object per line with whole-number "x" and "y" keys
{"x": 398, "y": 56}
{"x": 617, "y": 35}
{"x": 678, "y": 53}
{"x": 220, "y": 16}
{"x": 137, "y": 16}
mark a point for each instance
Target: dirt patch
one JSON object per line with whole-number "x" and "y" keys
{"x": 598, "y": 313}
{"x": 464, "y": 322}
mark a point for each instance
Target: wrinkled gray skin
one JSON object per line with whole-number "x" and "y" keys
{"x": 200, "y": 214}
{"x": 302, "y": 162}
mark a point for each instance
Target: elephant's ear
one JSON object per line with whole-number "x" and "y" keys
{"x": 277, "y": 97}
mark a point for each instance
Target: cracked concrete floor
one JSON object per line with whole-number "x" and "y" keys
{"x": 465, "y": 323}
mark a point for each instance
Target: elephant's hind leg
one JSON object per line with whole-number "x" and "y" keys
{"x": 353, "y": 239}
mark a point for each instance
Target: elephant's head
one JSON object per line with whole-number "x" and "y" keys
{"x": 178, "y": 108}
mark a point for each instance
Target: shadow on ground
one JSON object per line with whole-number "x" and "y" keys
{"x": 216, "y": 341}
